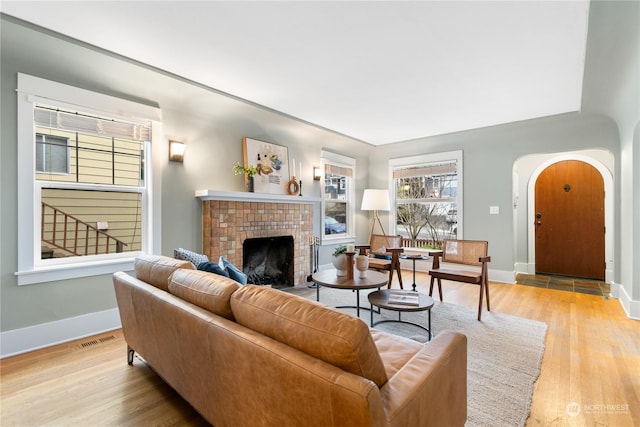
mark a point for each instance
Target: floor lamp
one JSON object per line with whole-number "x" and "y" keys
{"x": 375, "y": 200}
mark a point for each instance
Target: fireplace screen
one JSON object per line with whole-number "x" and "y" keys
{"x": 269, "y": 261}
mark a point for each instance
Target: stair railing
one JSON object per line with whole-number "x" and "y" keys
{"x": 68, "y": 238}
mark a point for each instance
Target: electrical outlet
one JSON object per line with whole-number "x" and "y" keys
{"x": 102, "y": 225}
{"x": 494, "y": 210}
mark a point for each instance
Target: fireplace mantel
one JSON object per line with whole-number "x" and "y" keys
{"x": 244, "y": 196}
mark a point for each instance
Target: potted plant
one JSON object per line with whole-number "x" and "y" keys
{"x": 249, "y": 171}
{"x": 339, "y": 260}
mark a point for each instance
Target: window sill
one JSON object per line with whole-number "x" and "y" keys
{"x": 73, "y": 271}
{"x": 338, "y": 240}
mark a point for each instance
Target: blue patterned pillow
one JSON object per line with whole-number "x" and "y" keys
{"x": 234, "y": 272}
{"x": 187, "y": 255}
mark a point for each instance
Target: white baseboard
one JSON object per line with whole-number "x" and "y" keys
{"x": 31, "y": 338}
{"x": 522, "y": 268}
{"x": 630, "y": 307}
{"x": 502, "y": 276}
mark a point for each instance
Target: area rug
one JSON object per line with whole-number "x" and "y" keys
{"x": 504, "y": 352}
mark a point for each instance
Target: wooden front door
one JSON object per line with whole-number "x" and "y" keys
{"x": 569, "y": 220}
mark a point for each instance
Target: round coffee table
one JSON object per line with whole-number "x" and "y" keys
{"x": 380, "y": 299}
{"x": 330, "y": 279}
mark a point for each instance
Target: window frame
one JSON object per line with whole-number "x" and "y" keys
{"x": 424, "y": 160}
{"x": 31, "y": 269}
{"x": 338, "y": 160}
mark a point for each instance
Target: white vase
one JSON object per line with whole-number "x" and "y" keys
{"x": 362, "y": 265}
{"x": 340, "y": 263}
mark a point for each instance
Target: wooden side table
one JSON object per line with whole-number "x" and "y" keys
{"x": 380, "y": 299}
{"x": 330, "y": 279}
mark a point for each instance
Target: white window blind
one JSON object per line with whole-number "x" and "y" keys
{"x": 427, "y": 170}
{"x": 338, "y": 170}
{"x": 55, "y": 118}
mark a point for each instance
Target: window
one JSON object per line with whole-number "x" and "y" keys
{"x": 85, "y": 205}
{"x": 52, "y": 154}
{"x": 339, "y": 195}
{"x": 428, "y": 198}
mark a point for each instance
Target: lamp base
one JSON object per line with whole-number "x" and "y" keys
{"x": 373, "y": 224}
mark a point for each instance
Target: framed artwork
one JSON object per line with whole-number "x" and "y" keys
{"x": 272, "y": 162}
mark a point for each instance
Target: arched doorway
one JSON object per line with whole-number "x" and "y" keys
{"x": 570, "y": 220}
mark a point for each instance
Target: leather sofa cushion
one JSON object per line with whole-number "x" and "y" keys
{"x": 156, "y": 269}
{"x": 207, "y": 290}
{"x": 394, "y": 351}
{"x": 327, "y": 334}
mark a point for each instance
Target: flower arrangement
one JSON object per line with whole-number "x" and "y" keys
{"x": 250, "y": 170}
{"x": 339, "y": 250}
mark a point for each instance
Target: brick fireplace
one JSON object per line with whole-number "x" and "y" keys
{"x": 226, "y": 224}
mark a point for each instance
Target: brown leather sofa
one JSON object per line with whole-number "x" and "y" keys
{"x": 256, "y": 356}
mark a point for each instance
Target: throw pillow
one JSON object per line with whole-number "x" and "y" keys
{"x": 187, "y": 255}
{"x": 212, "y": 267}
{"x": 234, "y": 272}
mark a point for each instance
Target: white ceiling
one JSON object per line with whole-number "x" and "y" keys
{"x": 380, "y": 72}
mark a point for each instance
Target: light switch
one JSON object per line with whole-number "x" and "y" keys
{"x": 494, "y": 210}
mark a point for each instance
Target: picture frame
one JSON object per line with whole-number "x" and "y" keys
{"x": 272, "y": 162}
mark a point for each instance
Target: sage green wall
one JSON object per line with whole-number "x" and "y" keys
{"x": 211, "y": 124}
{"x": 488, "y": 158}
{"x": 613, "y": 46}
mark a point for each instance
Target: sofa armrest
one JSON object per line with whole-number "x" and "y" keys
{"x": 431, "y": 388}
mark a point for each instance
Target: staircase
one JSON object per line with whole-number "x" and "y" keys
{"x": 72, "y": 236}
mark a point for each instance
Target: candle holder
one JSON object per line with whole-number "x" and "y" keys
{"x": 350, "y": 265}
{"x": 300, "y": 187}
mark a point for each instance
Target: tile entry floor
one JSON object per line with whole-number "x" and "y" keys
{"x": 565, "y": 283}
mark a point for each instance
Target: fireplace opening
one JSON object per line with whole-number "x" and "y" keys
{"x": 269, "y": 261}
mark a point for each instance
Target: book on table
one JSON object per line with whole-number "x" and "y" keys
{"x": 405, "y": 298}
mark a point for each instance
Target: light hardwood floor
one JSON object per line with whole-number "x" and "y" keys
{"x": 592, "y": 359}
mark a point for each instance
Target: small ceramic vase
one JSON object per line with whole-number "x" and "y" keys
{"x": 362, "y": 265}
{"x": 340, "y": 263}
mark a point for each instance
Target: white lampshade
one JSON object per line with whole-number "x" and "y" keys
{"x": 375, "y": 200}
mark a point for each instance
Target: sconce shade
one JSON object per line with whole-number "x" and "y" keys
{"x": 375, "y": 200}
{"x": 176, "y": 151}
{"x": 316, "y": 173}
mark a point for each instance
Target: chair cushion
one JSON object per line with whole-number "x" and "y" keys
{"x": 209, "y": 291}
{"x": 457, "y": 275}
{"x": 327, "y": 334}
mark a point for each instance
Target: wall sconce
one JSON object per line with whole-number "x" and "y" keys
{"x": 316, "y": 173}
{"x": 176, "y": 151}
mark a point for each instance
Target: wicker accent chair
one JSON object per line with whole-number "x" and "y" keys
{"x": 466, "y": 262}
{"x": 384, "y": 255}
